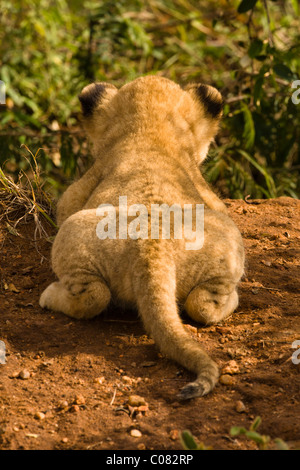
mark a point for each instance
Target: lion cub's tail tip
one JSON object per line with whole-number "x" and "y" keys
{"x": 200, "y": 387}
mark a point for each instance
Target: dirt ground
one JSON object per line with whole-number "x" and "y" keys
{"x": 66, "y": 383}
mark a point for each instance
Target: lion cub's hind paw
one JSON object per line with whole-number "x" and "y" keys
{"x": 47, "y": 296}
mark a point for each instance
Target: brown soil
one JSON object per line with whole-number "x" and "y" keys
{"x": 65, "y": 357}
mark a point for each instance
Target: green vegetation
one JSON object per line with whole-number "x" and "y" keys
{"x": 249, "y": 50}
{"x": 261, "y": 441}
{"x": 26, "y": 199}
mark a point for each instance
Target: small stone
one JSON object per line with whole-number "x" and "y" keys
{"x": 226, "y": 379}
{"x": 173, "y": 434}
{"x": 65, "y": 440}
{"x": 75, "y": 408}
{"x": 240, "y": 407}
{"x": 136, "y": 400}
{"x": 135, "y": 433}
{"x": 79, "y": 400}
{"x": 14, "y": 375}
{"x": 63, "y": 405}
{"x": 267, "y": 263}
{"x": 127, "y": 380}
{"x": 46, "y": 363}
{"x": 143, "y": 409}
{"x": 24, "y": 374}
{"x": 141, "y": 446}
{"x": 231, "y": 368}
{"x": 12, "y": 287}
{"x": 99, "y": 380}
{"x": 39, "y": 415}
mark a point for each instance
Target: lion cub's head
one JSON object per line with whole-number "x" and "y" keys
{"x": 153, "y": 108}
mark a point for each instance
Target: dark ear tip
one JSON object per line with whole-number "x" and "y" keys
{"x": 90, "y": 97}
{"x": 211, "y": 99}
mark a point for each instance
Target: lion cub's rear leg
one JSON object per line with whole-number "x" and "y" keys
{"x": 211, "y": 302}
{"x": 76, "y": 299}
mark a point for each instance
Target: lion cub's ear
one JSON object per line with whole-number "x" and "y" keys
{"x": 94, "y": 94}
{"x": 210, "y": 99}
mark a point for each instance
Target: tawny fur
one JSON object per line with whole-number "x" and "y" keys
{"x": 149, "y": 139}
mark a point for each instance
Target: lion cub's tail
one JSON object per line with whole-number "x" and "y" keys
{"x": 155, "y": 290}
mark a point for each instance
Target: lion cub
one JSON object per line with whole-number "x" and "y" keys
{"x": 149, "y": 138}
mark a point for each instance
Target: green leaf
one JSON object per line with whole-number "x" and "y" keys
{"x": 256, "y": 437}
{"x": 237, "y": 431}
{"x": 246, "y": 5}
{"x": 281, "y": 445}
{"x": 255, "y": 423}
{"x": 295, "y": 5}
{"x": 255, "y": 48}
{"x": 249, "y": 128}
{"x": 258, "y": 89}
{"x": 283, "y": 71}
{"x": 261, "y": 57}
{"x": 188, "y": 441}
{"x": 271, "y": 194}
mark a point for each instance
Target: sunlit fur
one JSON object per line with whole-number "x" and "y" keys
{"x": 149, "y": 139}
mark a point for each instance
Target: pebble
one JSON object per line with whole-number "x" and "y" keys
{"x": 226, "y": 379}
{"x": 99, "y": 380}
{"x": 136, "y": 400}
{"x": 231, "y": 368}
{"x": 223, "y": 340}
{"x": 127, "y": 380}
{"x": 135, "y": 433}
{"x": 39, "y": 415}
{"x": 75, "y": 408}
{"x": 240, "y": 407}
{"x": 63, "y": 405}
{"x": 174, "y": 434}
{"x": 79, "y": 400}
{"x": 14, "y": 375}
{"x": 266, "y": 263}
{"x": 24, "y": 374}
